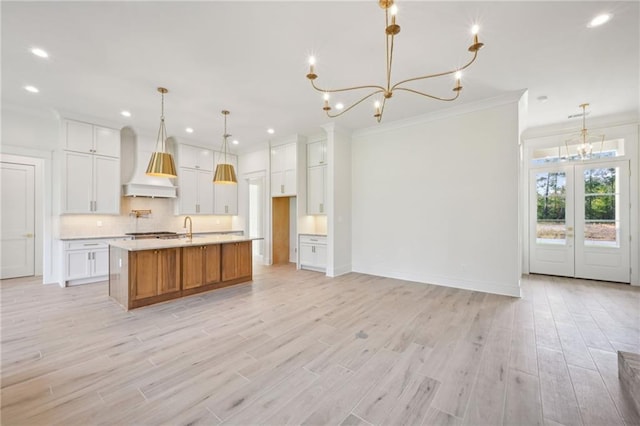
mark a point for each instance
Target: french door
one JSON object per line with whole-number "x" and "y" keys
{"x": 579, "y": 220}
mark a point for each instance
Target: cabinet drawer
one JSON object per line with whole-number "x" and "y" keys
{"x": 313, "y": 239}
{"x": 86, "y": 245}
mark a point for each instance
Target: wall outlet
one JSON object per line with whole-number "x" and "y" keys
{"x": 99, "y": 223}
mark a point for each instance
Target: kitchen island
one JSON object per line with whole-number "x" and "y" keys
{"x": 144, "y": 272}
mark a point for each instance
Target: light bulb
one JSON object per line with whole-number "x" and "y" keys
{"x": 458, "y": 75}
{"x": 39, "y": 52}
{"x": 376, "y": 104}
{"x": 31, "y": 89}
{"x": 599, "y": 20}
{"x": 312, "y": 60}
{"x": 474, "y": 29}
{"x": 125, "y": 113}
{"x": 339, "y": 105}
{"x": 393, "y": 10}
{"x": 325, "y": 96}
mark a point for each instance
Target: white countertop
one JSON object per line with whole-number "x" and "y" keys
{"x": 197, "y": 240}
{"x": 110, "y": 237}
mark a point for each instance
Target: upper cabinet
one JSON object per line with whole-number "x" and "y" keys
{"x": 91, "y": 169}
{"x": 316, "y": 177}
{"x": 195, "y": 180}
{"x": 226, "y": 195}
{"x": 195, "y": 157}
{"x": 283, "y": 170}
{"x": 91, "y": 139}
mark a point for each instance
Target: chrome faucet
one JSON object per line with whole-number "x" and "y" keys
{"x": 184, "y": 225}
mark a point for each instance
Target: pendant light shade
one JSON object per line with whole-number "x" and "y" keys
{"x": 161, "y": 163}
{"x": 225, "y": 174}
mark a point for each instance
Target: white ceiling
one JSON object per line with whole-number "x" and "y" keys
{"x": 250, "y": 58}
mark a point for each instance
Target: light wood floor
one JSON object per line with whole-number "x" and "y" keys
{"x": 297, "y": 347}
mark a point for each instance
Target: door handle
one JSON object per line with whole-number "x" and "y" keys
{"x": 28, "y": 235}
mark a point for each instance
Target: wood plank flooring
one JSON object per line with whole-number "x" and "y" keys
{"x": 296, "y": 347}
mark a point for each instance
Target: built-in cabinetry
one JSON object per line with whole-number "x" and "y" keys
{"x": 91, "y": 169}
{"x": 197, "y": 194}
{"x": 85, "y": 261}
{"x": 316, "y": 177}
{"x": 236, "y": 261}
{"x": 313, "y": 252}
{"x": 200, "y": 266}
{"x": 154, "y": 272}
{"x": 226, "y": 195}
{"x": 195, "y": 176}
{"x": 283, "y": 170}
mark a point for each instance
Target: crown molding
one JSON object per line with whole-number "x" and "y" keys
{"x": 573, "y": 125}
{"x": 507, "y": 98}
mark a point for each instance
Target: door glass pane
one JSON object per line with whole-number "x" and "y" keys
{"x": 551, "y": 191}
{"x": 601, "y": 207}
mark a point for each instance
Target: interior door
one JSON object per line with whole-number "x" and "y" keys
{"x": 602, "y": 221}
{"x": 580, "y": 221}
{"x": 18, "y": 220}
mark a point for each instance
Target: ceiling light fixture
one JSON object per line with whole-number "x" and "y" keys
{"x": 599, "y": 20}
{"x": 391, "y": 30}
{"x": 583, "y": 139}
{"x": 161, "y": 163}
{"x": 31, "y": 89}
{"x": 224, "y": 171}
{"x": 39, "y": 52}
{"x": 125, "y": 113}
{"x": 271, "y": 131}
{"x": 235, "y": 142}
{"x": 188, "y": 130}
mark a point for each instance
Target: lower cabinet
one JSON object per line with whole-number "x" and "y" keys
{"x": 236, "y": 260}
{"x": 85, "y": 261}
{"x": 313, "y": 252}
{"x": 154, "y": 272}
{"x": 200, "y": 266}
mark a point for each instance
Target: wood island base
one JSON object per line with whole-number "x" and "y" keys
{"x": 143, "y": 277}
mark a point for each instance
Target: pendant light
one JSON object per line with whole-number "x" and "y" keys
{"x": 225, "y": 174}
{"x": 161, "y": 163}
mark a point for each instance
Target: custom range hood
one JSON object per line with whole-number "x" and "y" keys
{"x": 134, "y": 158}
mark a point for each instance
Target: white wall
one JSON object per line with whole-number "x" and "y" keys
{"x": 436, "y": 200}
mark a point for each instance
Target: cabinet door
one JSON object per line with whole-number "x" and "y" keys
{"x": 192, "y": 267}
{"x": 307, "y": 256}
{"x": 316, "y": 153}
{"x": 205, "y": 192}
{"x": 321, "y": 256}
{"x": 79, "y": 136}
{"x": 100, "y": 262}
{"x": 188, "y": 190}
{"x": 168, "y": 270}
{"x": 229, "y": 261}
{"x": 278, "y": 158}
{"x": 226, "y": 199}
{"x": 277, "y": 184}
{"x": 291, "y": 158}
{"x": 106, "y": 141}
{"x": 290, "y": 182}
{"x": 211, "y": 264}
{"x": 78, "y": 182}
{"x": 315, "y": 189}
{"x": 106, "y": 181}
{"x": 244, "y": 259}
{"x": 196, "y": 158}
{"x": 78, "y": 264}
{"x": 143, "y": 271}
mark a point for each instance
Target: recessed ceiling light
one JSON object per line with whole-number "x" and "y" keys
{"x": 235, "y": 142}
{"x": 271, "y": 131}
{"x": 339, "y": 105}
{"x": 599, "y": 20}
{"x": 31, "y": 89}
{"x": 125, "y": 113}
{"x": 39, "y": 52}
{"x": 188, "y": 130}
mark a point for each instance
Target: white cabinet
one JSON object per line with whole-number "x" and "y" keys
{"x": 283, "y": 170}
{"x": 195, "y": 157}
{"x": 313, "y": 252}
{"x": 226, "y": 195}
{"x": 195, "y": 191}
{"x": 90, "y": 138}
{"x": 316, "y": 177}
{"x": 91, "y": 183}
{"x": 195, "y": 180}
{"x": 85, "y": 261}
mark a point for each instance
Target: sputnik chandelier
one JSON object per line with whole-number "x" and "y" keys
{"x": 584, "y": 140}
{"x": 391, "y": 30}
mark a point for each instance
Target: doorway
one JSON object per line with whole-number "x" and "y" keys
{"x": 579, "y": 220}
{"x": 284, "y": 229}
{"x": 18, "y": 220}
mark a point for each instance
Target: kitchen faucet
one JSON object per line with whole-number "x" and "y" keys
{"x": 184, "y": 225}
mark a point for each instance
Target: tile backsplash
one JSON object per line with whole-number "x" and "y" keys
{"x": 162, "y": 218}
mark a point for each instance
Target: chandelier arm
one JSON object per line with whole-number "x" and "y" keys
{"x": 355, "y": 104}
{"x": 389, "y": 55}
{"x": 429, "y": 96}
{"x": 379, "y": 117}
{"x": 475, "y": 55}
{"x": 345, "y": 89}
